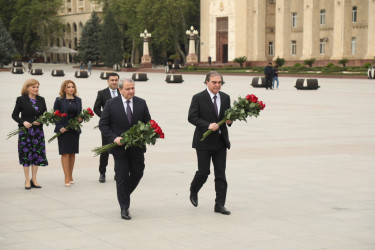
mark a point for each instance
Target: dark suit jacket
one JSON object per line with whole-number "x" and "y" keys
{"x": 62, "y": 105}
{"x": 103, "y": 96}
{"x": 201, "y": 114}
{"x": 28, "y": 113}
{"x": 113, "y": 120}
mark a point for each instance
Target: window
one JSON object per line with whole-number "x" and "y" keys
{"x": 294, "y": 20}
{"x": 272, "y": 1}
{"x": 294, "y": 47}
{"x": 354, "y": 14}
{"x": 322, "y": 47}
{"x": 322, "y": 17}
{"x": 270, "y": 48}
{"x": 354, "y": 44}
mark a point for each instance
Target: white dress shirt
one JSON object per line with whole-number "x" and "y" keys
{"x": 125, "y": 104}
{"x": 218, "y": 100}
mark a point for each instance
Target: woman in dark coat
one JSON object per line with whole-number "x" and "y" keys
{"x": 68, "y": 141}
{"x": 31, "y": 145}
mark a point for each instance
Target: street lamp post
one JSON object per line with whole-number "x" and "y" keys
{"x": 192, "y": 58}
{"x": 146, "y": 58}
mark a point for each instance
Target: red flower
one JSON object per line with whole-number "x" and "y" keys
{"x": 262, "y": 105}
{"x": 153, "y": 123}
{"x": 162, "y": 136}
{"x": 63, "y": 115}
{"x": 90, "y": 112}
{"x": 57, "y": 113}
{"x": 158, "y": 130}
{"x": 252, "y": 98}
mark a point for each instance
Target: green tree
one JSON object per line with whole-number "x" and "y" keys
{"x": 344, "y": 61}
{"x": 241, "y": 60}
{"x": 110, "y": 41}
{"x": 33, "y": 23}
{"x": 280, "y": 61}
{"x": 7, "y": 49}
{"x": 89, "y": 42}
{"x": 309, "y": 61}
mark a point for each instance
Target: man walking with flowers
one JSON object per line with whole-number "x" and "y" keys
{"x": 119, "y": 115}
{"x": 206, "y": 110}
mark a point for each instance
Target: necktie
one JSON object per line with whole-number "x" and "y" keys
{"x": 128, "y": 112}
{"x": 113, "y": 93}
{"x": 215, "y": 105}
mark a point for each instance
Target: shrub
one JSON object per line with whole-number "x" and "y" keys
{"x": 191, "y": 68}
{"x": 330, "y": 65}
{"x": 367, "y": 65}
{"x": 241, "y": 60}
{"x": 281, "y": 61}
{"x": 344, "y": 61}
{"x": 309, "y": 61}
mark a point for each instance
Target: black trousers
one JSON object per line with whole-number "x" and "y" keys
{"x": 129, "y": 167}
{"x": 103, "y": 162}
{"x": 269, "y": 82}
{"x": 219, "y": 158}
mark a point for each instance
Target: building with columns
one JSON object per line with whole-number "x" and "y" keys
{"x": 74, "y": 14}
{"x": 262, "y": 30}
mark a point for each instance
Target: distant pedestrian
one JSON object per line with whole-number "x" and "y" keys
{"x": 209, "y": 60}
{"x": 30, "y": 65}
{"x": 275, "y": 77}
{"x": 268, "y": 73}
{"x": 82, "y": 67}
{"x": 89, "y": 67}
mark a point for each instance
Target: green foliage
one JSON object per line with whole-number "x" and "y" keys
{"x": 367, "y": 65}
{"x": 191, "y": 68}
{"x": 126, "y": 57}
{"x": 110, "y": 43}
{"x": 7, "y": 49}
{"x": 174, "y": 57}
{"x": 89, "y": 42}
{"x": 241, "y": 60}
{"x": 309, "y": 61}
{"x": 330, "y": 65}
{"x": 280, "y": 61}
{"x": 32, "y": 23}
{"x": 343, "y": 61}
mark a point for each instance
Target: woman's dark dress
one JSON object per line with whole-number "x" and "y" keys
{"x": 31, "y": 145}
{"x": 69, "y": 141}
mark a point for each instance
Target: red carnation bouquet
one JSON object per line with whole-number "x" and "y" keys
{"x": 74, "y": 124}
{"x": 47, "y": 118}
{"x": 138, "y": 135}
{"x": 243, "y": 108}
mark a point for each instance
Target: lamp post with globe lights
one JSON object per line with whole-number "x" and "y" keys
{"x": 192, "y": 58}
{"x": 146, "y": 58}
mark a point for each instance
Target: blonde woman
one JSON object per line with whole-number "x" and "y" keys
{"x": 68, "y": 102}
{"x": 31, "y": 145}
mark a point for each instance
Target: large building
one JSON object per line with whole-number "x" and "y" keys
{"x": 262, "y": 30}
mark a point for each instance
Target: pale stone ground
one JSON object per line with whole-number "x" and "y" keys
{"x": 301, "y": 176}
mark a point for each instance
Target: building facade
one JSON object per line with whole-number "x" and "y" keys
{"x": 262, "y": 30}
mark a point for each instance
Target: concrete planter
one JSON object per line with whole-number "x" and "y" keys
{"x": 18, "y": 64}
{"x": 127, "y": 65}
{"x": 81, "y": 74}
{"x": 171, "y": 78}
{"x": 18, "y": 70}
{"x": 58, "y": 72}
{"x": 104, "y": 75}
{"x": 258, "y": 82}
{"x": 371, "y": 73}
{"x": 36, "y": 72}
{"x": 139, "y": 77}
{"x": 307, "y": 84}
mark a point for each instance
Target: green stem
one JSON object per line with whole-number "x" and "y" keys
{"x": 208, "y": 132}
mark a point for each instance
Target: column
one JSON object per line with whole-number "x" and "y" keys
{"x": 311, "y": 23}
{"x": 283, "y": 29}
{"x": 342, "y": 29}
{"x": 259, "y": 30}
{"x": 371, "y": 31}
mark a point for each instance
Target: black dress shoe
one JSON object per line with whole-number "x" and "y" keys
{"x": 194, "y": 198}
{"x": 33, "y": 185}
{"x": 102, "y": 178}
{"x": 125, "y": 214}
{"x": 221, "y": 209}
{"x": 27, "y": 188}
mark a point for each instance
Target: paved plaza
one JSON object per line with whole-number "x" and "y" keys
{"x": 300, "y": 176}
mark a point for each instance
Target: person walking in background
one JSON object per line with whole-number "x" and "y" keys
{"x": 82, "y": 67}
{"x": 118, "y": 116}
{"x": 102, "y": 97}
{"x": 206, "y": 110}
{"x": 30, "y": 66}
{"x": 89, "y": 67}
{"x": 268, "y": 73}
{"x": 68, "y": 142}
{"x": 209, "y": 60}
{"x": 31, "y": 145}
{"x": 275, "y": 77}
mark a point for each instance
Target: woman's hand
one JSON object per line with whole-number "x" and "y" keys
{"x": 63, "y": 130}
{"x": 36, "y": 123}
{"x": 27, "y": 124}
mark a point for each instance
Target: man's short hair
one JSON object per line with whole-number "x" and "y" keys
{"x": 213, "y": 73}
{"x": 122, "y": 80}
{"x": 113, "y": 74}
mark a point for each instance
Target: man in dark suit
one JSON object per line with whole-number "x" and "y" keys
{"x": 118, "y": 116}
{"x": 268, "y": 74}
{"x": 206, "y": 110}
{"x": 103, "y": 96}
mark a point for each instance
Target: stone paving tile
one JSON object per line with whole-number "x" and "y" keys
{"x": 300, "y": 176}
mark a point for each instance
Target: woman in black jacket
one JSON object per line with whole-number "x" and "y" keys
{"x": 31, "y": 145}
{"x": 68, "y": 141}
